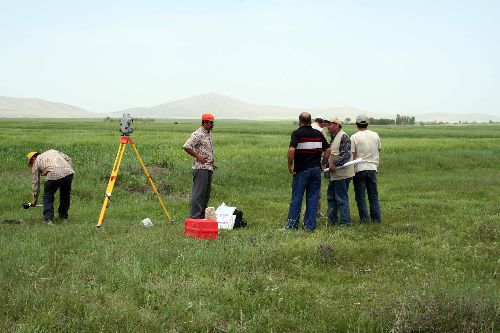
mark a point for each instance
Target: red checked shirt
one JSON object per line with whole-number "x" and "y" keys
{"x": 201, "y": 142}
{"x": 53, "y": 164}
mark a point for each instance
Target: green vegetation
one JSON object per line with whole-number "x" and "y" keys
{"x": 431, "y": 266}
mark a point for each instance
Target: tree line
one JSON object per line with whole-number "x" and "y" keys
{"x": 400, "y": 120}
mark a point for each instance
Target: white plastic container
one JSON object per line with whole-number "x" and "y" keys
{"x": 147, "y": 222}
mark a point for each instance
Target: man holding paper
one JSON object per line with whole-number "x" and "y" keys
{"x": 366, "y": 144}
{"x": 338, "y": 187}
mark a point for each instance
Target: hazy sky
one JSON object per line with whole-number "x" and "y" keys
{"x": 383, "y": 56}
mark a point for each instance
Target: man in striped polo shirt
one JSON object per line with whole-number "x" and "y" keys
{"x": 58, "y": 169}
{"x": 305, "y": 162}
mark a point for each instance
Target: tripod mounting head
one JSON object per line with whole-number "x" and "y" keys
{"x": 126, "y": 125}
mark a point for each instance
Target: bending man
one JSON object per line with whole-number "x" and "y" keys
{"x": 58, "y": 169}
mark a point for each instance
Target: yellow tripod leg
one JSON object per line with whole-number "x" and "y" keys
{"x": 167, "y": 214}
{"x": 112, "y": 178}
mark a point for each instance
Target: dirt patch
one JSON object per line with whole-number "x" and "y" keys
{"x": 157, "y": 170}
{"x": 327, "y": 254}
{"x": 326, "y": 248}
{"x": 161, "y": 186}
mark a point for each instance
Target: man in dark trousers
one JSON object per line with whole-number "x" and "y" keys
{"x": 58, "y": 169}
{"x": 199, "y": 145}
{"x": 338, "y": 189}
{"x": 305, "y": 163}
{"x": 366, "y": 144}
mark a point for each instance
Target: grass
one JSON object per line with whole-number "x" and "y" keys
{"x": 431, "y": 266}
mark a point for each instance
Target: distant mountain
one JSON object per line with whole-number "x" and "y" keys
{"x": 38, "y": 108}
{"x": 448, "y": 117}
{"x": 220, "y": 105}
{"x": 223, "y": 107}
{"x": 226, "y": 107}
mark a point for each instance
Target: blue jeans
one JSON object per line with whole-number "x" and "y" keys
{"x": 338, "y": 202}
{"x": 366, "y": 182}
{"x": 308, "y": 181}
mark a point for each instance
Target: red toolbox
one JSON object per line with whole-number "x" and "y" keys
{"x": 201, "y": 228}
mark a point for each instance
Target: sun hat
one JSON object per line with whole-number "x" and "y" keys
{"x": 30, "y": 155}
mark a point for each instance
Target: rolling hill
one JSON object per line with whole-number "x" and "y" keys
{"x": 223, "y": 107}
{"x": 226, "y": 107}
{"x": 11, "y": 107}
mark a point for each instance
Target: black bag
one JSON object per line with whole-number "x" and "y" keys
{"x": 239, "y": 222}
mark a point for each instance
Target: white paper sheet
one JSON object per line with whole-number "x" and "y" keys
{"x": 356, "y": 161}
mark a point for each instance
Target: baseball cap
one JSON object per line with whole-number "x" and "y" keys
{"x": 208, "y": 116}
{"x": 362, "y": 119}
{"x": 320, "y": 117}
{"x": 335, "y": 119}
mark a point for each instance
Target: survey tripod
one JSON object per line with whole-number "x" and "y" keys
{"x": 124, "y": 140}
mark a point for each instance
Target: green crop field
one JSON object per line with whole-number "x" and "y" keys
{"x": 431, "y": 266}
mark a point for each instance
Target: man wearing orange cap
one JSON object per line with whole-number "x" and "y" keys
{"x": 199, "y": 145}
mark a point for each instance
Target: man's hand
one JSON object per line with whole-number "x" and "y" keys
{"x": 332, "y": 168}
{"x": 202, "y": 159}
{"x": 34, "y": 202}
{"x": 290, "y": 169}
{"x": 196, "y": 155}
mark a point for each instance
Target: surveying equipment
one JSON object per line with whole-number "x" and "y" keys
{"x": 126, "y": 124}
{"x": 126, "y": 129}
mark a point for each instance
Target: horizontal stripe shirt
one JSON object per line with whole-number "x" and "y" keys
{"x": 52, "y": 164}
{"x": 309, "y": 144}
{"x": 201, "y": 142}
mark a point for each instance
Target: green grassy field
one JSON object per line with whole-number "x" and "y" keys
{"x": 431, "y": 266}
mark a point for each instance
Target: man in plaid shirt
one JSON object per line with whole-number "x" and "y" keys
{"x": 58, "y": 169}
{"x": 199, "y": 145}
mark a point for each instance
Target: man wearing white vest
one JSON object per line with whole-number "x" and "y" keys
{"x": 366, "y": 144}
{"x": 338, "y": 187}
